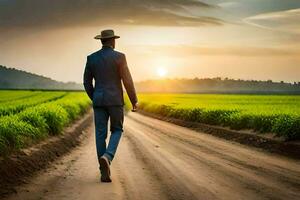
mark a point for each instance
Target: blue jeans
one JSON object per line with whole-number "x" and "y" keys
{"x": 116, "y": 116}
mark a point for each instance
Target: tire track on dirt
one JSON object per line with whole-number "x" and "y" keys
{"x": 137, "y": 179}
{"x": 204, "y": 141}
{"x": 258, "y": 178}
{"x": 159, "y": 168}
{"x": 290, "y": 177}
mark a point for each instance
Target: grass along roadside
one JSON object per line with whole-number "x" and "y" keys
{"x": 8, "y": 95}
{"x": 38, "y": 122}
{"x": 17, "y": 105}
{"x": 279, "y": 114}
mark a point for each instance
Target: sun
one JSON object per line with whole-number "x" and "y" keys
{"x": 161, "y": 71}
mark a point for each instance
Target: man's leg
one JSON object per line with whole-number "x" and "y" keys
{"x": 101, "y": 119}
{"x": 116, "y": 114}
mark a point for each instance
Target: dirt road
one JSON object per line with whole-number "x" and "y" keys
{"x": 159, "y": 160}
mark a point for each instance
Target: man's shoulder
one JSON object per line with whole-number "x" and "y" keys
{"x": 94, "y": 54}
{"x": 119, "y": 53}
{"x": 112, "y": 54}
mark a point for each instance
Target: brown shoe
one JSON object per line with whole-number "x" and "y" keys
{"x": 105, "y": 169}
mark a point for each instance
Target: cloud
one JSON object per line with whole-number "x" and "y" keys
{"x": 184, "y": 50}
{"x": 230, "y": 4}
{"x": 63, "y": 13}
{"x": 286, "y": 21}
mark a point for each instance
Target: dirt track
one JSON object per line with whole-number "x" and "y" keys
{"x": 159, "y": 160}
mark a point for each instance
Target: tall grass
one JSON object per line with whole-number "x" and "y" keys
{"x": 17, "y": 105}
{"x": 37, "y": 122}
{"x": 262, "y": 113}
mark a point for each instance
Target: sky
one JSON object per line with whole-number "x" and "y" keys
{"x": 240, "y": 39}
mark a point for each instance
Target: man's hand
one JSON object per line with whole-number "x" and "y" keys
{"x": 135, "y": 107}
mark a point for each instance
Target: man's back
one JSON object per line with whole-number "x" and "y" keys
{"x": 108, "y": 67}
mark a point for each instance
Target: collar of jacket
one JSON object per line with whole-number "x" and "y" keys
{"x": 107, "y": 47}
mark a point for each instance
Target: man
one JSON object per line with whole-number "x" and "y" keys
{"x": 108, "y": 68}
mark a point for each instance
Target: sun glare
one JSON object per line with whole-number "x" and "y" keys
{"x": 161, "y": 72}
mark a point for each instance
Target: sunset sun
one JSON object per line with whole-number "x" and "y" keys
{"x": 161, "y": 72}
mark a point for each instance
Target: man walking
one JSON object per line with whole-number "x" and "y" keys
{"x": 108, "y": 68}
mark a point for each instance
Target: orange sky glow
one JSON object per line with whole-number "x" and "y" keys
{"x": 187, "y": 39}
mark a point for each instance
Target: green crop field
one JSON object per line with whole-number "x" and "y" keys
{"x": 279, "y": 114}
{"x": 29, "y": 116}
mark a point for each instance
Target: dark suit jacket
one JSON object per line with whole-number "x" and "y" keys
{"x": 108, "y": 68}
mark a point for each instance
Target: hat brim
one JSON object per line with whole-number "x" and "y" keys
{"x": 98, "y": 37}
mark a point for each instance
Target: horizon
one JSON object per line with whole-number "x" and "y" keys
{"x": 183, "y": 39}
{"x": 169, "y": 79}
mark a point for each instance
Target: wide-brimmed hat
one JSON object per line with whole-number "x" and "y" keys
{"x": 105, "y": 34}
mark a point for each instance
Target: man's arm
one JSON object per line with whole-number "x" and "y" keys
{"x": 128, "y": 82}
{"x": 88, "y": 80}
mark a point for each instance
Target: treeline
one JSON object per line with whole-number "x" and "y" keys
{"x": 11, "y": 78}
{"x": 217, "y": 85}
